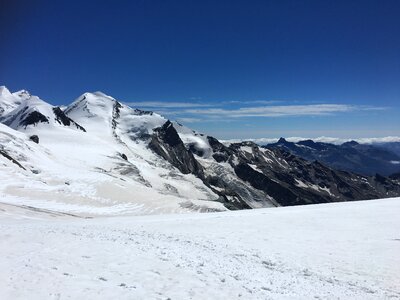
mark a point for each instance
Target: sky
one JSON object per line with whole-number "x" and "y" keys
{"x": 231, "y": 69}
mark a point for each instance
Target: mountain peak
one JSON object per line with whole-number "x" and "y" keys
{"x": 23, "y": 94}
{"x": 282, "y": 140}
{"x": 308, "y": 142}
{"x": 96, "y": 95}
{"x": 8, "y": 101}
{"x": 350, "y": 143}
{"x": 101, "y": 94}
{"x": 92, "y": 104}
{"x": 4, "y": 91}
{"x": 32, "y": 111}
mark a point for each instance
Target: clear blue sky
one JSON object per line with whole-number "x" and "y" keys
{"x": 240, "y": 69}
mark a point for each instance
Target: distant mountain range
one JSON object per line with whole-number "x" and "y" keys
{"x": 366, "y": 159}
{"x": 99, "y": 156}
{"x": 390, "y": 146}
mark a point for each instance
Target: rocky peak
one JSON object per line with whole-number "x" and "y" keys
{"x": 170, "y": 135}
{"x": 282, "y": 140}
{"x": 166, "y": 142}
{"x": 309, "y": 143}
{"x": 62, "y": 118}
{"x": 143, "y": 112}
{"x": 350, "y": 144}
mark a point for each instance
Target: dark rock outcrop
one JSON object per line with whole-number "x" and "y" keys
{"x": 9, "y": 157}
{"x": 143, "y": 112}
{"x": 221, "y": 153}
{"x": 34, "y": 118}
{"x": 258, "y": 180}
{"x": 115, "y": 115}
{"x": 34, "y": 138}
{"x": 167, "y": 143}
{"x": 63, "y": 119}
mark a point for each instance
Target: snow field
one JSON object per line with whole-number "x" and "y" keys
{"x": 330, "y": 251}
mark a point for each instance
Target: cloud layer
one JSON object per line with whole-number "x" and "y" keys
{"x": 275, "y": 110}
{"x": 163, "y": 104}
{"x": 200, "y": 111}
{"x": 323, "y": 139}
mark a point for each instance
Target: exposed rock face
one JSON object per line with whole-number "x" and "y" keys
{"x": 247, "y": 176}
{"x": 143, "y": 112}
{"x": 9, "y": 157}
{"x": 62, "y": 118}
{"x": 291, "y": 180}
{"x": 167, "y": 143}
{"x": 34, "y": 138}
{"x": 34, "y": 118}
{"x": 115, "y": 114}
{"x": 258, "y": 180}
{"x": 221, "y": 152}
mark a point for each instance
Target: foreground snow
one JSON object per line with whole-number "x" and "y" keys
{"x": 341, "y": 250}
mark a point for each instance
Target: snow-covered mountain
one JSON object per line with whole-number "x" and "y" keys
{"x": 99, "y": 156}
{"x": 33, "y": 112}
{"x": 10, "y": 101}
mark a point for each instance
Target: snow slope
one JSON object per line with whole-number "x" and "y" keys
{"x": 76, "y": 171}
{"x": 327, "y": 251}
{"x": 10, "y": 101}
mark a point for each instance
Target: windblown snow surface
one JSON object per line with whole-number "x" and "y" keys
{"x": 327, "y": 251}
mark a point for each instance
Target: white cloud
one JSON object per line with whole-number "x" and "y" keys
{"x": 277, "y": 110}
{"x": 164, "y": 104}
{"x": 323, "y": 139}
{"x": 264, "y": 102}
{"x": 387, "y": 139}
{"x": 189, "y": 120}
{"x": 259, "y": 108}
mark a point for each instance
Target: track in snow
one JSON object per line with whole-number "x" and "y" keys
{"x": 332, "y": 251}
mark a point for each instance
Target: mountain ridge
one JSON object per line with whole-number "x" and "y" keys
{"x": 349, "y": 156}
{"x": 139, "y": 162}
